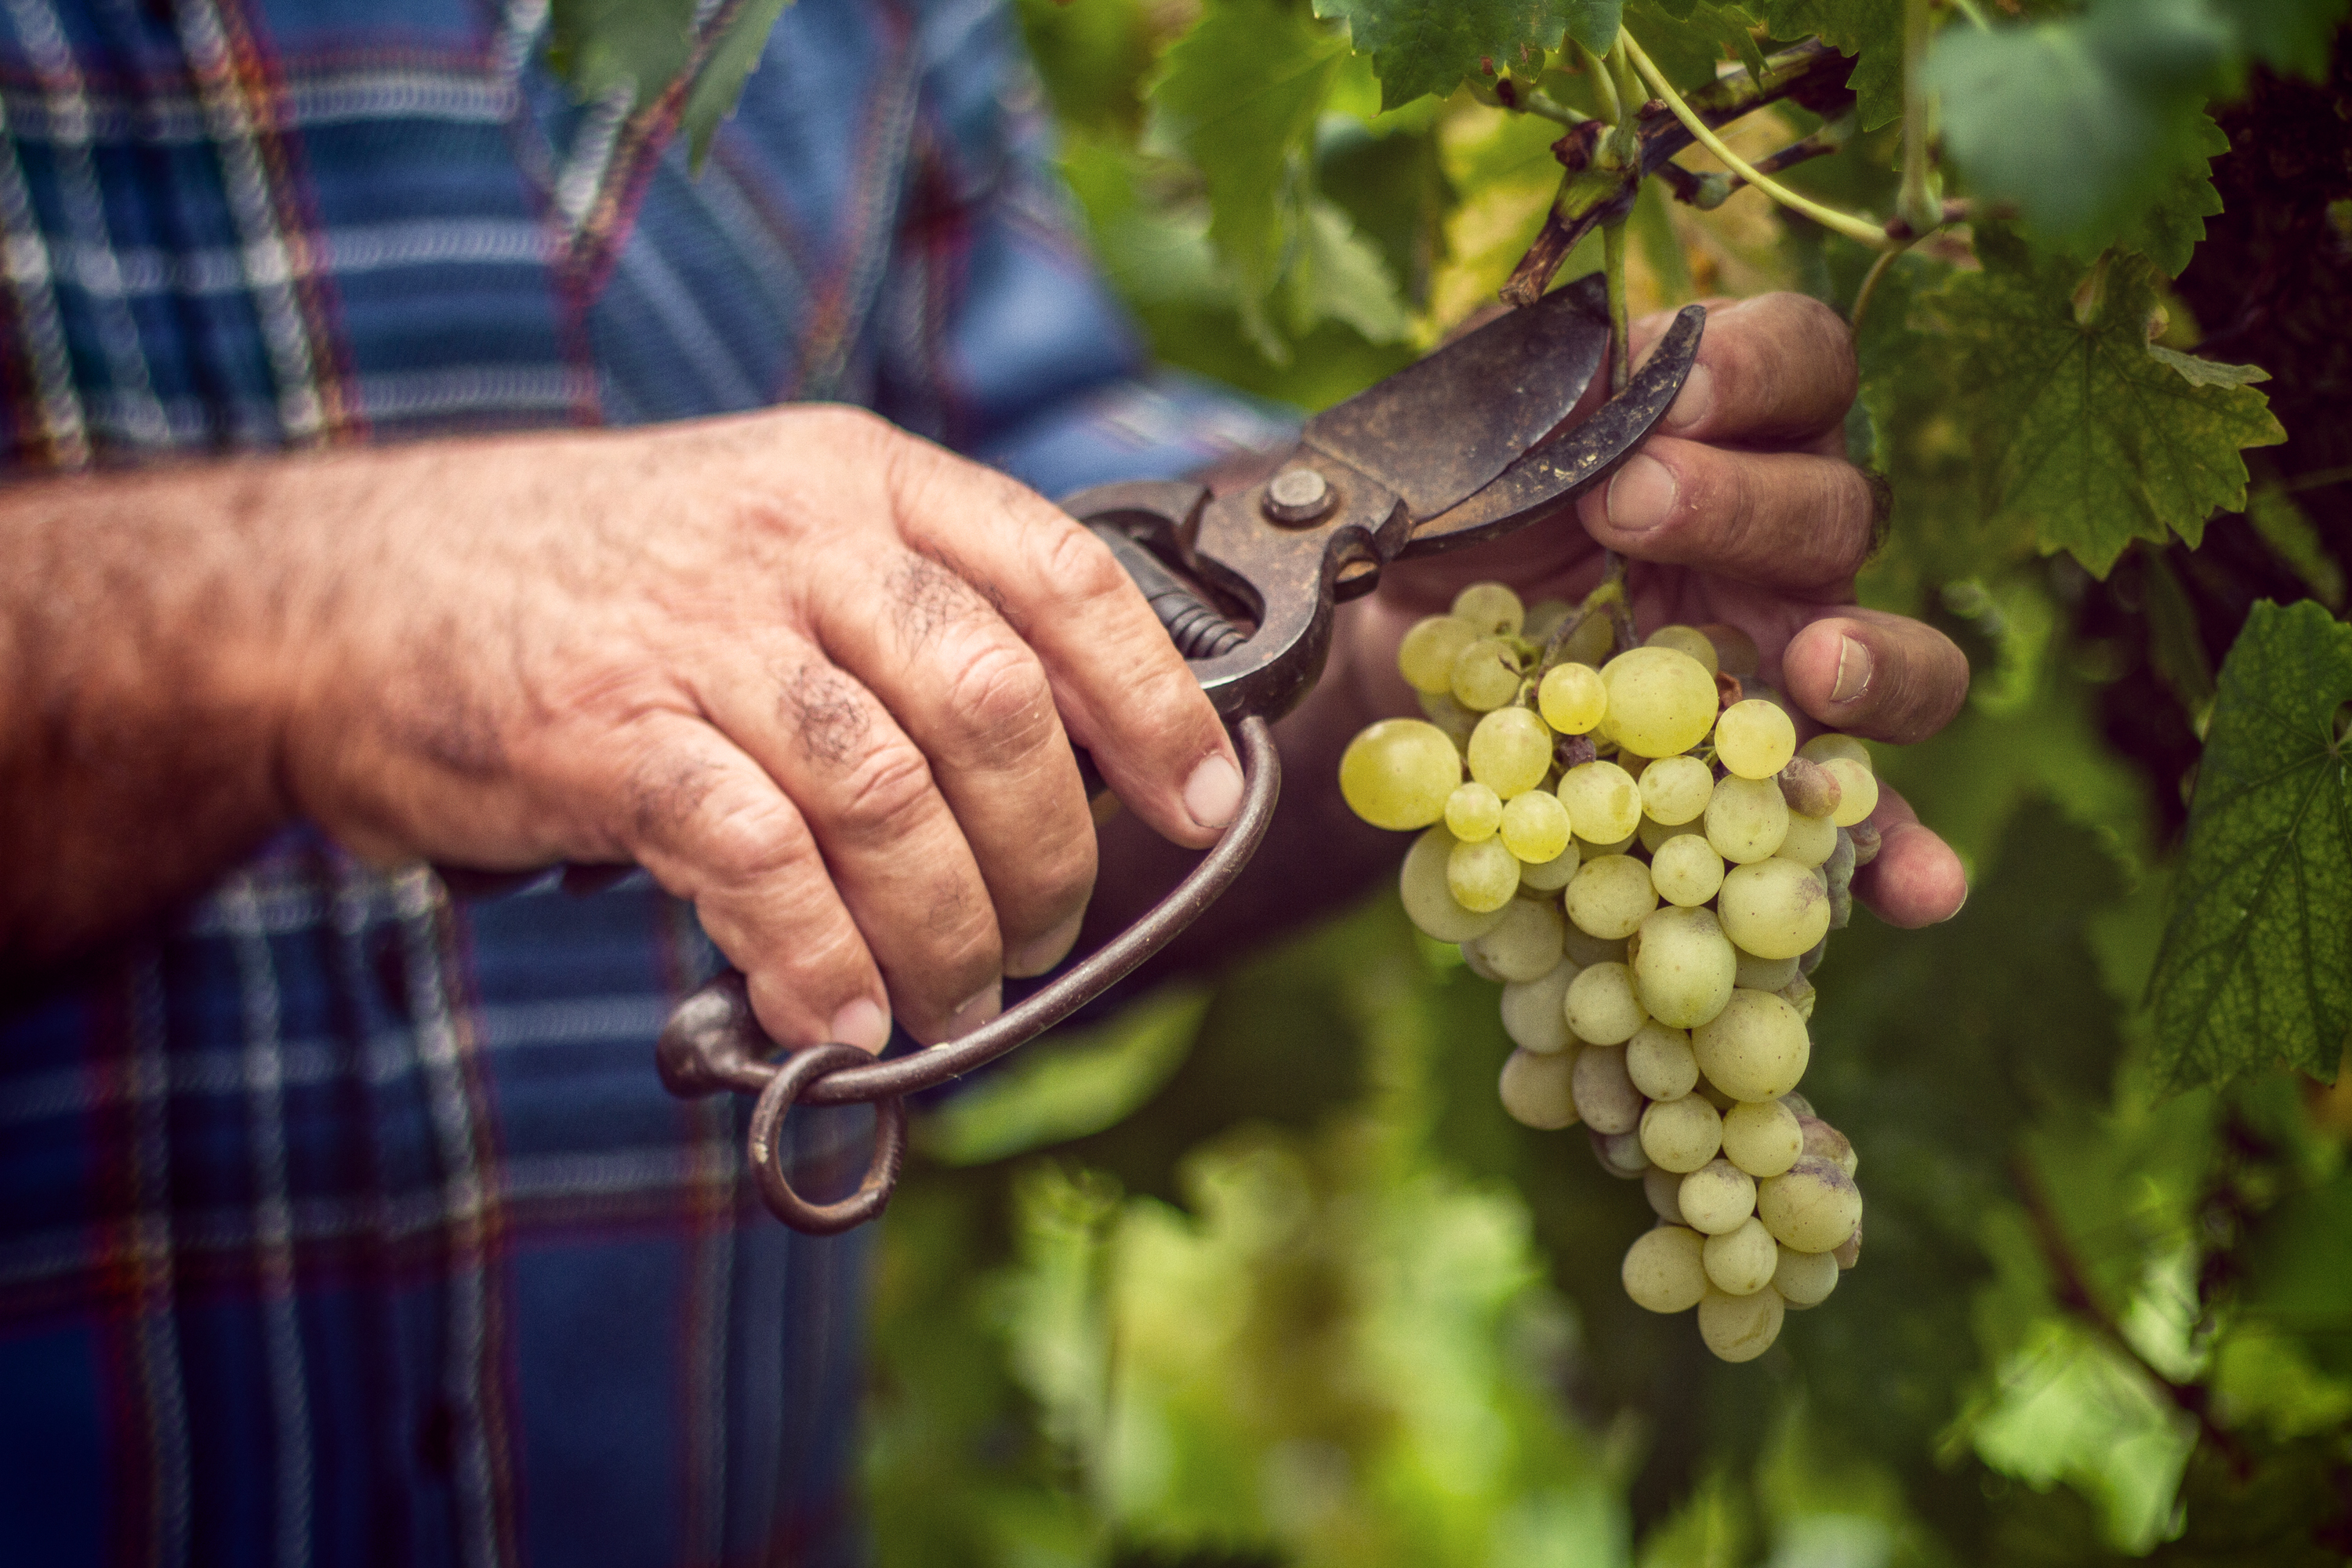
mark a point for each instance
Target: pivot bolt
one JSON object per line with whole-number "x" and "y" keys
{"x": 1298, "y": 495}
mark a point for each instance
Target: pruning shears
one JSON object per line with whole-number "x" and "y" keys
{"x": 1465, "y": 445}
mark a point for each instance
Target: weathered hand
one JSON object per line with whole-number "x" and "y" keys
{"x": 813, "y": 673}
{"x": 1742, "y": 509}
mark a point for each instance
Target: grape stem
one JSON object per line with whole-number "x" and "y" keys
{"x": 1620, "y": 343}
{"x": 1599, "y": 184}
{"x": 1861, "y": 298}
{"x": 1919, "y": 203}
{"x": 1507, "y": 93}
{"x": 1707, "y": 192}
{"x": 1604, "y": 82}
{"x": 1859, "y": 230}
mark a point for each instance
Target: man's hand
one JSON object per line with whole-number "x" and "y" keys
{"x": 817, "y": 675}
{"x": 1742, "y": 509}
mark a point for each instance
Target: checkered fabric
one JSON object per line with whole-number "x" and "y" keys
{"x": 340, "y": 1222}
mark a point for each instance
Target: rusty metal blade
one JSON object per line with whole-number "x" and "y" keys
{"x": 1552, "y": 474}
{"x": 1444, "y": 427}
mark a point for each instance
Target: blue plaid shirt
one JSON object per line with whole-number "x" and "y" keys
{"x": 341, "y": 1222}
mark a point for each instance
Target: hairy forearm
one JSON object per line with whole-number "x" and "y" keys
{"x": 144, "y": 619}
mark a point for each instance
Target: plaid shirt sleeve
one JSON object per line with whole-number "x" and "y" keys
{"x": 342, "y": 1223}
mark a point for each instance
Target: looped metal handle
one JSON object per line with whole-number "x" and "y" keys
{"x": 767, "y": 1151}
{"x": 713, "y": 1044}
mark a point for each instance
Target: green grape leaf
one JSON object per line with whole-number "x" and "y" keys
{"x": 1687, "y": 37}
{"x": 1869, "y": 30}
{"x": 2080, "y": 431}
{"x": 719, "y": 84}
{"x": 1340, "y": 275}
{"x": 1239, "y": 95}
{"x": 2206, "y": 372}
{"x": 599, "y": 45}
{"x": 2120, "y": 89}
{"x": 2256, "y": 963}
{"x": 2169, "y": 231}
{"x": 2293, "y": 538}
{"x": 1428, "y": 46}
{"x": 2293, "y": 34}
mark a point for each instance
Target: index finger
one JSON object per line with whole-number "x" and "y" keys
{"x": 1778, "y": 369}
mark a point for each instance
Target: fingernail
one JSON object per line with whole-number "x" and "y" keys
{"x": 1695, "y": 401}
{"x": 862, "y": 1024}
{"x": 1640, "y": 495}
{"x": 1852, "y": 671}
{"x": 987, "y": 1005}
{"x": 1214, "y": 792}
{"x": 1041, "y": 953}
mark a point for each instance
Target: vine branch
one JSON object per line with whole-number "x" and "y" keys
{"x": 1859, "y": 230}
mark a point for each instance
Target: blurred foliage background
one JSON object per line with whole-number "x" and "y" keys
{"x": 1259, "y": 1273}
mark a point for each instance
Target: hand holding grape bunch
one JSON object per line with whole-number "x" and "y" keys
{"x": 1652, "y": 915}
{"x": 1642, "y": 853}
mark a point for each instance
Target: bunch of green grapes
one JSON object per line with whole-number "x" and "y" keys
{"x": 1649, "y": 865}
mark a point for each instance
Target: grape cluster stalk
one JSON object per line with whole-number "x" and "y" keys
{"x": 1649, "y": 865}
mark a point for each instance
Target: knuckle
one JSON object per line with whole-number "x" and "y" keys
{"x": 1849, "y": 505}
{"x": 1066, "y": 877}
{"x": 1000, "y": 698}
{"x": 1166, "y": 704}
{"x": 1814, "y": 327}
{"x": 888, "y": 795}
{"x": 747, "y": 837}
{"x": 1080, "y": 566}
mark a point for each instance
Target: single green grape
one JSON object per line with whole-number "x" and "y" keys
{"x": 1603, "y": 1009}
{"x": 1397, "y": 774}
{"x": 1687, "y": 870}
{"x": 1857, "y": 790}
{"x": 1510, "y": 752}
{"x": 1425, "y": 657}
{"x": 1535, "y": 828}
{"x": 1603, "y": 803}
{"x": 1664, "y": 1270}
{"x": 1482, "y": 876}
{"x": 1805, "y": 1279}
{"x": 1755, "y": 738}
{"x": 1472, "y": 812}
{"x": 1680, "y": 1134}
{"x": 1810, "y": 841}
{"x": 1610, "y": 897}
{"x": 1675, "y": 790}
{"x": 1525, "y": 946}
{"x": 1747, "y": 819}
{"x": 1739, "y": 1328}
{"x": 1659, "y": 1060}
{"x": 1491, "y": 607}
{"x": 1755, "y": 1048}
{"x": 1689, "y": 640}
{"x": 1486, "y": 675}
{"x": 1810, "y": 1207}
{"x": 1662, "y": 702}
{"x": 1774, "y": 908}
{"x": 1573, "y": 699}
{"x": 1740, "y": 1262}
